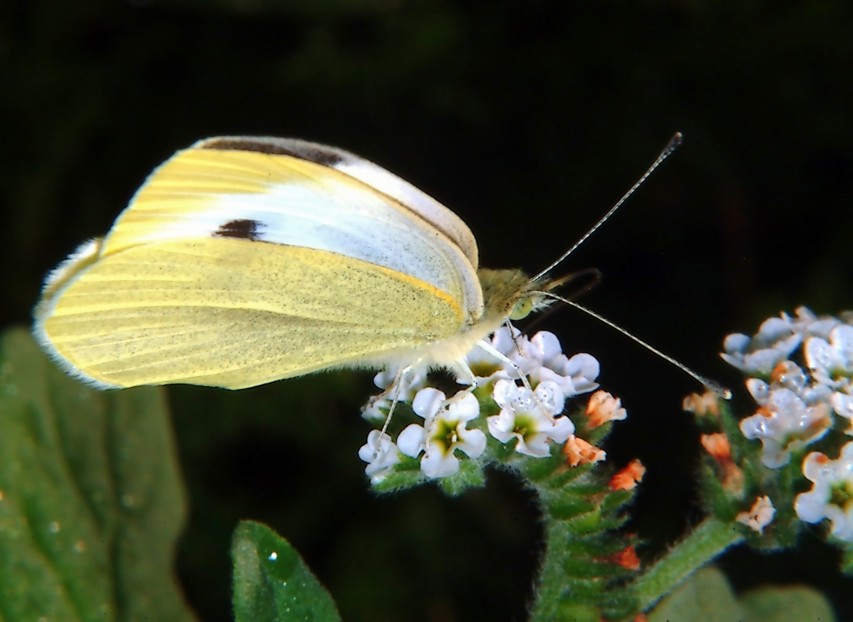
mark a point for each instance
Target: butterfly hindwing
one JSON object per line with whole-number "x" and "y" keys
{"x": 235, "y": 313}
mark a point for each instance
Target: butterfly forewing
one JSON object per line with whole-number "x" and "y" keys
{"x": 287, "y": 200}
{"x": 401, "y": 191}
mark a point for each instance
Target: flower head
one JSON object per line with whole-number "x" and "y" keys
{"x": 530, "y": 413}
{"x": 802, "y": 381}
{"x": 795, "y": 404}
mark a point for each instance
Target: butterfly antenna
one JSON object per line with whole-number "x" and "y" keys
{"x": 671, "y": 146}
{"x": 709, "y": 384}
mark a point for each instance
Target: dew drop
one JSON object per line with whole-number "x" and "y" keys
{"x": 273, "y": 556}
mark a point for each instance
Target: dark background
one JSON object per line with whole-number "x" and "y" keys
{"x": 529, "y": 119}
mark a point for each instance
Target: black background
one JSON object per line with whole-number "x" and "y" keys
{"x": 529, "y": 120}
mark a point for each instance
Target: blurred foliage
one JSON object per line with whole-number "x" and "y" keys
{"x": 91, "y": 504}
{"x": 706, "y": 596}
{"x": 528, "y": 119}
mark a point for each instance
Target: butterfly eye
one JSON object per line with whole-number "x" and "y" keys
{"x": 522, "y": 308}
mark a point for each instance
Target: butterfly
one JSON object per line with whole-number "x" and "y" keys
{"x": 245, "y": 260}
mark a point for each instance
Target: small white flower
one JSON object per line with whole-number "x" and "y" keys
{"x": 530, "y": 417}
{"x": 543, "y": 360}
{"x": 831, "y": 495}
{"x": 831, "y": 359}
{"x": 842, "y": 404}
{"x": 485, "y": 366}
{"x": 774, "y": 342}
{"x": 412, "y": 381}
{"x": 808, "y": 323}
{"x": 788, "y": 375}
{"x": 778, "y": 337}
{"x": 540, "y": 358}
{"x": 759, "y": 515}
{"x": 784, "y": 423}
{"x": 443, "y": 432}
{"x": 381, "y": 455}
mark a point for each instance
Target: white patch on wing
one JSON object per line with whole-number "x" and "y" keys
{"x": 350, "y": 225}
{"x": 413, "y": 198}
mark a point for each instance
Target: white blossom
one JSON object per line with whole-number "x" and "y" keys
{"x": 785, "y": 423}
{"x": 831, "y": 495}
{"x": 381, "y": 455}
{"x": 530, "y": 417}
{"x": 443, "y": 432}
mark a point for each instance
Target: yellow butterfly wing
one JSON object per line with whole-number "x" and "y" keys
{"x": 253, "y": 188}
{"x": 242, "y": 261}
{"x": 232, "y": 313}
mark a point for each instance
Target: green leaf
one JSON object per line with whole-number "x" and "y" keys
{"x": 272, "y": 583}
{"x": 782, "y": 604}
{"x": 90, "y": 500}
{"x": 705, "y": 596}
{"x": 708, "y": 597}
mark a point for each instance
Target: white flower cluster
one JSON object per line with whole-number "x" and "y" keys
{"x": 776, "y": 339}
{"x": 796, "y": 405}
{"x": 800, "y": 405}
{"x": 530, "y": 416}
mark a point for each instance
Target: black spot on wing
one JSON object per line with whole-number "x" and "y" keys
{"x": 243, "y": 229}
{"x": 303, "y": 150}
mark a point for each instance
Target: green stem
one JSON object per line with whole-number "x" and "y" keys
{"x": 707, "y": 541}
{"x": 578, "y": 579}
{"x": 550, "y": 581}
